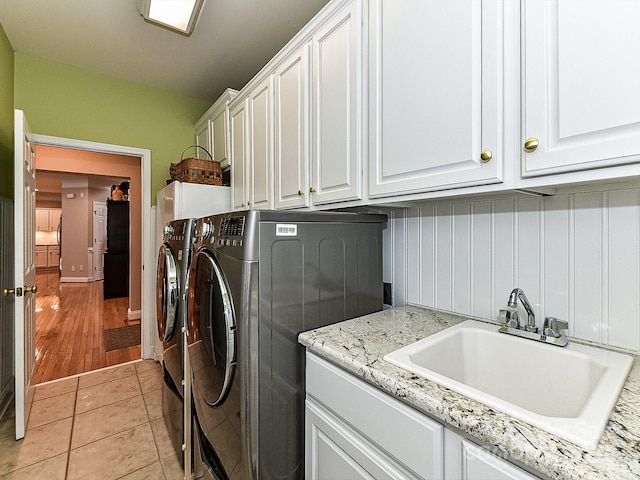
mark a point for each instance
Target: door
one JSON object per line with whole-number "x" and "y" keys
{"x": 167, "y": 294}
{"x": 337, "y": 122}
{"x": 239, "y": 174}
{"x": 260, "y": 145}
{"x": 582, "y": 102}
{"x": 25, "y": 269}
{"x": 99, "y": 236}
{"x": 212, "y": 347}
{"x": 291, "y": 131}
{"x": 434, "y": 112}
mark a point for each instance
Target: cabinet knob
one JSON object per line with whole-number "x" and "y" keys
{"x": 486, "y": 155}
{"x": 300, "y": 192}
{"x": 32, "y": 289}
{"x": 531, "y": 144}
{"x": 312, "y": 190}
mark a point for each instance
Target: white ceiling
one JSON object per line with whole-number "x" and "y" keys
{"x": 232, "y": 41}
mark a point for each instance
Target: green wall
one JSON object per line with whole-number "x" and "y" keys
{"x": 64, "y": 101}
{"x": 6, "y": 116}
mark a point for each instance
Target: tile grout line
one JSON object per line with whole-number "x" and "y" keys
{"x": 73, "y": 421}
{"x": 153, "y": 433}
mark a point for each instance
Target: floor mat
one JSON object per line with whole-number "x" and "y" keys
{"x": 122, "y": 337}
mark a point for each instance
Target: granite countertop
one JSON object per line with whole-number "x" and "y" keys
{"x": 358, "y": 346}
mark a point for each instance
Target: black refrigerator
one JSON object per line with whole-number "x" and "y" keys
{"x": 116, "y": 256}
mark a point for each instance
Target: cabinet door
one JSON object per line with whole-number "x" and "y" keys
{"x": 435, "y": 101}
{"x": 261, "y": 145}
{"x": 42, "y": 260}
{"x": 582, "y": 101}
{"x": 53, "y": 259}
{"x": 219, "y": 138}
{"x": 335, "y": 451}
{"x": 54, "y": 219}
{"x": 291, "y": 131}
{"x": 480, "y": 464}
{"x": 240, "y": 159}
{"x": 42, "y": 220}
{"x": 203, "y": 138}
{"x": 337, "y": 122}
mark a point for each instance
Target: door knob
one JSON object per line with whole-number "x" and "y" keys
{"x": 486, "y": 155}
{"x": 11, "y": 291}
{"x": 32, "y": 289}
{"x": 531, "y": 144}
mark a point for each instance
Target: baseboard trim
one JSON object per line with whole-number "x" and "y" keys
{"x": 134, "y": 315}
{"x": 76, "y": 279}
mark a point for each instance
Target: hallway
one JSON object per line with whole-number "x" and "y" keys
{"x": 71, "y": 319}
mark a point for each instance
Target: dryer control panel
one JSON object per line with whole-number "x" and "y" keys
{"x": 231, "y": 232}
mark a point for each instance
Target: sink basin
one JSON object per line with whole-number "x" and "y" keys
{"x": 568, "y": 391}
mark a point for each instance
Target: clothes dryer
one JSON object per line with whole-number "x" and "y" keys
{"x": 257, "y": 279}
{"x": 174, "y": 256}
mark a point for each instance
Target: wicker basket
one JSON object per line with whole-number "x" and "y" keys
{"x": 196, "y": 170}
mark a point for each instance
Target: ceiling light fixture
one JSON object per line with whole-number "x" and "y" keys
{"x": 178, "y": 15}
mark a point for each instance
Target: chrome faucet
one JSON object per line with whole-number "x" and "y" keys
{"x": 510, "y": 319}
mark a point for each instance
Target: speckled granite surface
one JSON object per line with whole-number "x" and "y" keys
{"x": 358, "y": 346}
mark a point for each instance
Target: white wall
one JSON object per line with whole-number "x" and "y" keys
{"x": 575, "y": 254}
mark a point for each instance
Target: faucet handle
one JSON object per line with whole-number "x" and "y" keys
{"x": 552, "y": 327}
{"x": 509, "y": 316}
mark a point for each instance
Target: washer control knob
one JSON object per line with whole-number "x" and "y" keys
{"x": 207, "y": 229}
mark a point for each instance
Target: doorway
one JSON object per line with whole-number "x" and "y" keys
{"x": 49, "y": 151}
{"x": 78, "y": 327}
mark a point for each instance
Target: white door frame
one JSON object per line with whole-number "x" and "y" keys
{"x": 148, "y": 254}
{"x": 97, "y": 254}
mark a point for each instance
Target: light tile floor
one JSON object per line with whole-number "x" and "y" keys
{"x": 106, "y": 424}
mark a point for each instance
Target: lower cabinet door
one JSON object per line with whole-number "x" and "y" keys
{"x": 335, "y": 451}
{"x": 480, "y": 464}
{"x": 41, "y": 257}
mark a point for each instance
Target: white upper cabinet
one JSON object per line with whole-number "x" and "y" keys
{"x": 291, "y": 110}
{"x": 239, "y": 138}
{"x": 212, "y": 130}
{"x": 252, "y": 148}
{"x": 435, "y": 95}
{"x": 337, "y": 102}
{"x": 47, "y": 219}
{"x": 318, "y": 115}
{"x": 581, "y": 65}
{"x": 261, "y": 145}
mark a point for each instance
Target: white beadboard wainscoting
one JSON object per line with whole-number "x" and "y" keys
{"x": 576, "y": 255}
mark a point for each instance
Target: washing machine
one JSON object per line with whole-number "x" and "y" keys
{"x": 173, "y": 263}
{"x": 257, "y": 279}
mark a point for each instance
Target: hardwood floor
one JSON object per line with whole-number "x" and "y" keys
{"x": 70, "y": 323}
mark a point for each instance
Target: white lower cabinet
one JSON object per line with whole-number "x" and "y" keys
{"x": 354, "y": 431}
{"x": 335, "y": 450}
{"x": 42, "y": 259}
{"x": 464, "y": 460}
{"x": 47, "y": 256}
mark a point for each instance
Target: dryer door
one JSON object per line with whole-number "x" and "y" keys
{"x": 167, "y": 294}
{"x": 211, "y": 331}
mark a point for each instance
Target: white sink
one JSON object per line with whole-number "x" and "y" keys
{"x": 568, "y": 391}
